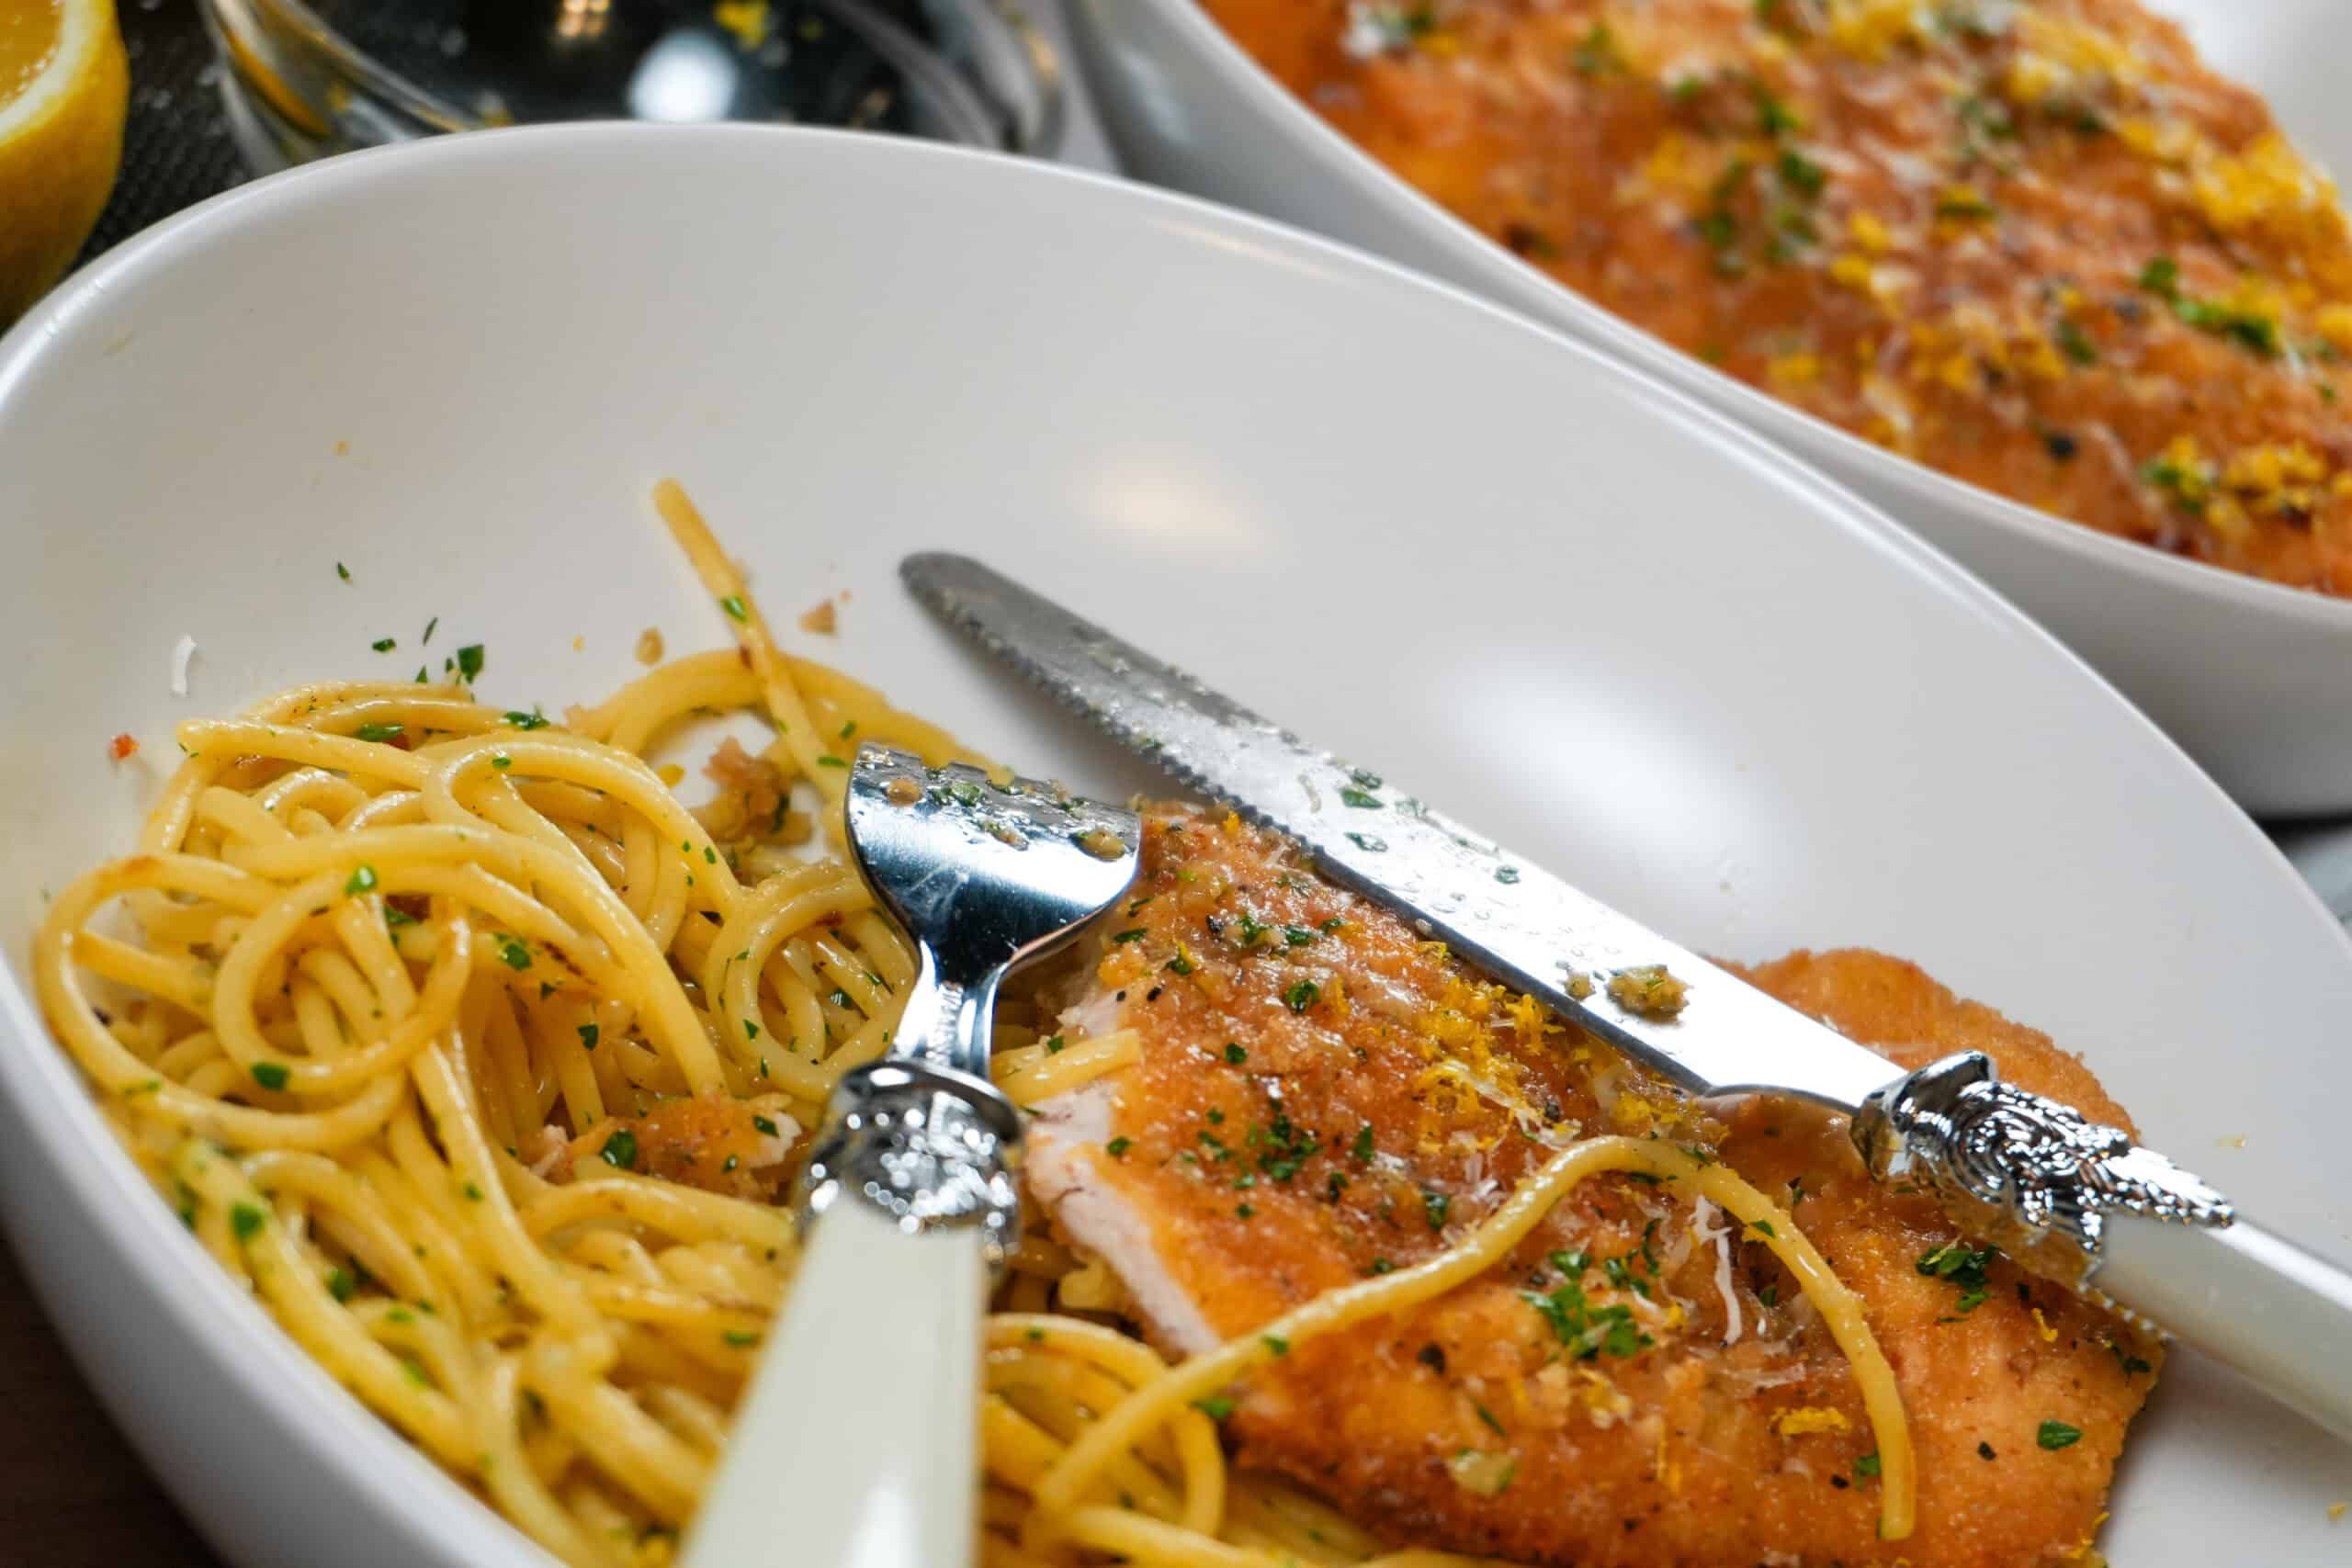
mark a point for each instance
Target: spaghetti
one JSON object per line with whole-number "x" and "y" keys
{"x": 481, "y": 1061}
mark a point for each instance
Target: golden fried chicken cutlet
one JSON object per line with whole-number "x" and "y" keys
{"x": 2038, "y": 246}
{"x": 1320, "y": 1096}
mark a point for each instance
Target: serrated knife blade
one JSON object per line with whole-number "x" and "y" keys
{"x": 1500, "y": 912}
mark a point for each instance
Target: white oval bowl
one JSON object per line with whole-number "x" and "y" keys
{"x": 1713, "y": 687}
{"x": 2254, "y": 679}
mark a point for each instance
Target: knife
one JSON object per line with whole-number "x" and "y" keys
{"x": 2072, "y": 1198}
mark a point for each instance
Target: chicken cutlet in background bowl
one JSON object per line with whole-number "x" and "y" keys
{"x": 2030, "y": 277}
{"x": 1718, "y": 692}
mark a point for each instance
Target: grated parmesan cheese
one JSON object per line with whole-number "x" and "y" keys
{"x": 1704, "y": 1226}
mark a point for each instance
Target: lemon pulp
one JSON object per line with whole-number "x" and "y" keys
{"x": 28, "y": 36}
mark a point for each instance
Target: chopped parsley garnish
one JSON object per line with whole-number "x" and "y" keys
{"x": 384, "y": 645}
{"x": 734, "y": 606}
{"x": 751, "y": 1030}
{"x": 502, "y": 761}
{"x": 1774, "y": 118}
{"x": 1275, "y": 1343}
{"x": 2250, "y": 329}
{"x": 1596, "y": 53}
{"x": 1866, "y": 1467}
{"x": 341, "y": 1285}
{"x": 429, "y": 627}
{"x": 514, "y": 952}
{"x": 1053, "y": 1043}
{"x": 830, "y": 762}
{"x": 2075, "y": 345}
{"x": 535, "y": 720}
{"x": 1435, "y": 1206}
{"x": 1135, "y": 934}
{"x": 395, "y": 919}
{"x": 2128, "y": 1362}
{"x": 619, "y": 1150}
{"x": 1235, "y": 1052}
{"x": 1179, "y": 966}
{"x": 343, "y": 571}
{"x": 1117, "y": 1147}
{"x": 1799, "y": 173}
{"x": 1963, "y": 1266}
{"x": 269, "y": 1074}
{"x": 1286, "y": 1148}
{"x": 588, "y": 1037}
{"x": 1381, "y": 1266}
{"x": 245, "y": 1220}
{"x": 763, "y": 1124}
{"x": 362, "y": 880}
{"x": 1487, "y": 1417}
{"x": 1584, "y": 1329}
{"x": 1298, "y": 936}
{"x": 469, "y": 662}
{"x": 2056, "y": 1435}
{"x": 1363, "y": 800}
{"x": 1361, "y": 1147}
{"x": 739, "y": 1337}
{"x": 1303, "y": 995}
{"x": 376, "y": 732}
{"x": 1964, "y": 204}
{"x": 1764, "y": 1225}
{"x": 1216, "y": 1406}
{"x": 472, "y": 1192}
{"x": 1367, "y": 843}
{"x": 1506, "y": 874}
{"x": 1243, "y": 1212}
{"x": 1620, "y": 1273}
{"x": 1333, "y": 924}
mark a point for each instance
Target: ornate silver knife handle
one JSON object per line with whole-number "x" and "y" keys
{"x": 2036, "y": 1179}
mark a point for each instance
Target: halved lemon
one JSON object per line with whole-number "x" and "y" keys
{"x": 64, "y": 87}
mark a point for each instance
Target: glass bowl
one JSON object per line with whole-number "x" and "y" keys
{"x": 308, "y": 78}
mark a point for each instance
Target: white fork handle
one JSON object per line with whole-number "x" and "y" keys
{"x": 858, "y": 1440}
{"x": 2260, "y": 1306}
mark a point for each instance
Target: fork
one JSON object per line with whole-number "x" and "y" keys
{"x": 855, "y": 1442}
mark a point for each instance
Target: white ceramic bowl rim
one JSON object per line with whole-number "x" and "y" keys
{"x": 230, "y": 1329}
{"x": 1651, "y": 354}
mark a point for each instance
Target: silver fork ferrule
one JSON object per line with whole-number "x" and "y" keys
{"x": 926, "y": 1146}
{"x": 2032, "y": 1176}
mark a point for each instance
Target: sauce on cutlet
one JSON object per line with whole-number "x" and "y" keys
{"x": 1321, "y": 1096}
